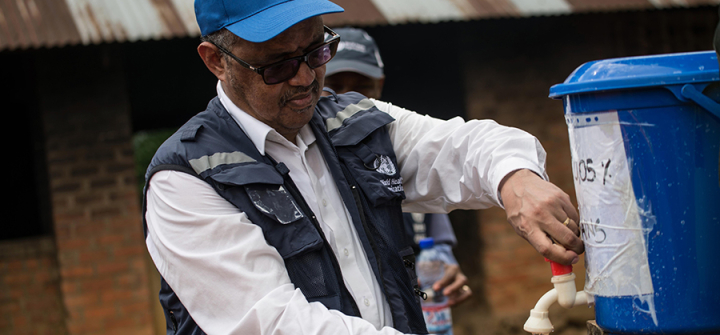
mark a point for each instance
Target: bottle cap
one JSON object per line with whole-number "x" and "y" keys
{"x": 427, "y": 243}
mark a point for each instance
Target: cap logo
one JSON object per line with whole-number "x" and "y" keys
{"x": 351, "y": 46}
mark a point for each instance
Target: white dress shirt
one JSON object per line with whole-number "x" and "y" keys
{"x": 232, "y": 282}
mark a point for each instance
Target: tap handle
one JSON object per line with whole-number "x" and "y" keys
{"x": 559, "y": 269}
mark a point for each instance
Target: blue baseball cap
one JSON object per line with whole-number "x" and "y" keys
{"x": 257, "y": 20}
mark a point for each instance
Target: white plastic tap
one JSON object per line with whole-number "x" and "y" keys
{"x": 564, "y": 294}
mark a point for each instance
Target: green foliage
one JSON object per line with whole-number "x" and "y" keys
{"x": 145, "y": 144}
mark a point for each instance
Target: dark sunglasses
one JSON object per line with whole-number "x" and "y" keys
{"x": 283, "y": 70}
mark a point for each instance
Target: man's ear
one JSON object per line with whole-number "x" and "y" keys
{"x": 379, "y": 86}
{"x": 213, "y": 59}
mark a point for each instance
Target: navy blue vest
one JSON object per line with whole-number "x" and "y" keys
{"x": 351, "y": 134}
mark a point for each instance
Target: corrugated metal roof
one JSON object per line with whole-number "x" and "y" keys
{"x": 428, "y": 11}
{"x": 49, "y": 23}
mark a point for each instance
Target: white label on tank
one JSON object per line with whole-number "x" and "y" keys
{"x": 611, "y": 224}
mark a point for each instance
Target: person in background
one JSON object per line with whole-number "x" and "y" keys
{"x": 358, "y": 66}
{"x": 276, "y": 210}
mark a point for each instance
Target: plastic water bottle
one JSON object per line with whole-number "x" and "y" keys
{"x": 430, "y": 267}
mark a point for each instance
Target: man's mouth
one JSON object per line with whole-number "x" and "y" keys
{"x": 301, "y": 99}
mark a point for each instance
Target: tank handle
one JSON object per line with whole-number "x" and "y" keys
{"x": 688, "y": 91}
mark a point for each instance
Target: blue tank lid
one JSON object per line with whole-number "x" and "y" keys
{"x": 642, "y": 71}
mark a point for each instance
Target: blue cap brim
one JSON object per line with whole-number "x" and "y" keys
{"x": 272, "y": 21}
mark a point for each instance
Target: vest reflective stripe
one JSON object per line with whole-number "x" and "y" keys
{"x": 349, "y": 111}
{"x": 205, "y": 163}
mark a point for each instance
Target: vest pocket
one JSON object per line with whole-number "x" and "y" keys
{"x": 363, "y": 144}
{"x": 376, "y": 170}
{"x": 257, "y": 189}
{"x": 291, "y": 232}
{"x": 275, "y": 202}
{"x": 312, "y": 273}
{"x": 285, "y": 227}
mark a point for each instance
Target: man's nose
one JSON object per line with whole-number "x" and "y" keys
{"x": 304, "y": 77}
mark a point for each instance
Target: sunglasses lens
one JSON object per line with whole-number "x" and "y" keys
{"x": 281, "y": 71}
{"x": 285, "y": 70}
{"x": 322, "y": 55}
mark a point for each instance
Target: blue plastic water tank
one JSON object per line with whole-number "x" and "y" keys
{"x": 645, "y": 143}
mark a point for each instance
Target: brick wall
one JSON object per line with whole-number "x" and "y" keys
{"x": 30, "y": 299}
{"x": 508, "y": 76}
{"x": 95, "y": 210}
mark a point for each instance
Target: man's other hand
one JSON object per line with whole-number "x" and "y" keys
{"x": 453, "y": 285}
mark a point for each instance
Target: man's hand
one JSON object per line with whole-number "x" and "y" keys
{"x": 453, "y": 285}
{"x": 537, "y": 210}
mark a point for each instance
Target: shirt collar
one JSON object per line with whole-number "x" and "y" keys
{"x": 257, "y": 130}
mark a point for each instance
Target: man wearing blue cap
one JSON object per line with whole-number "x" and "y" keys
{"x": 276, "y": 211}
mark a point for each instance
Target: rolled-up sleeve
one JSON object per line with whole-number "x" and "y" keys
{"x": 222, "y": 270}
{"x": 440, "y": 229}
{"x": 457, "y": 164}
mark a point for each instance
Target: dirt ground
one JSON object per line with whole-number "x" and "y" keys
{"x": 475, "y": 320}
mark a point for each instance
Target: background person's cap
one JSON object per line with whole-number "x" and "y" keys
{"x": 357, "y": 52}
{"x": 257, "y": 20}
